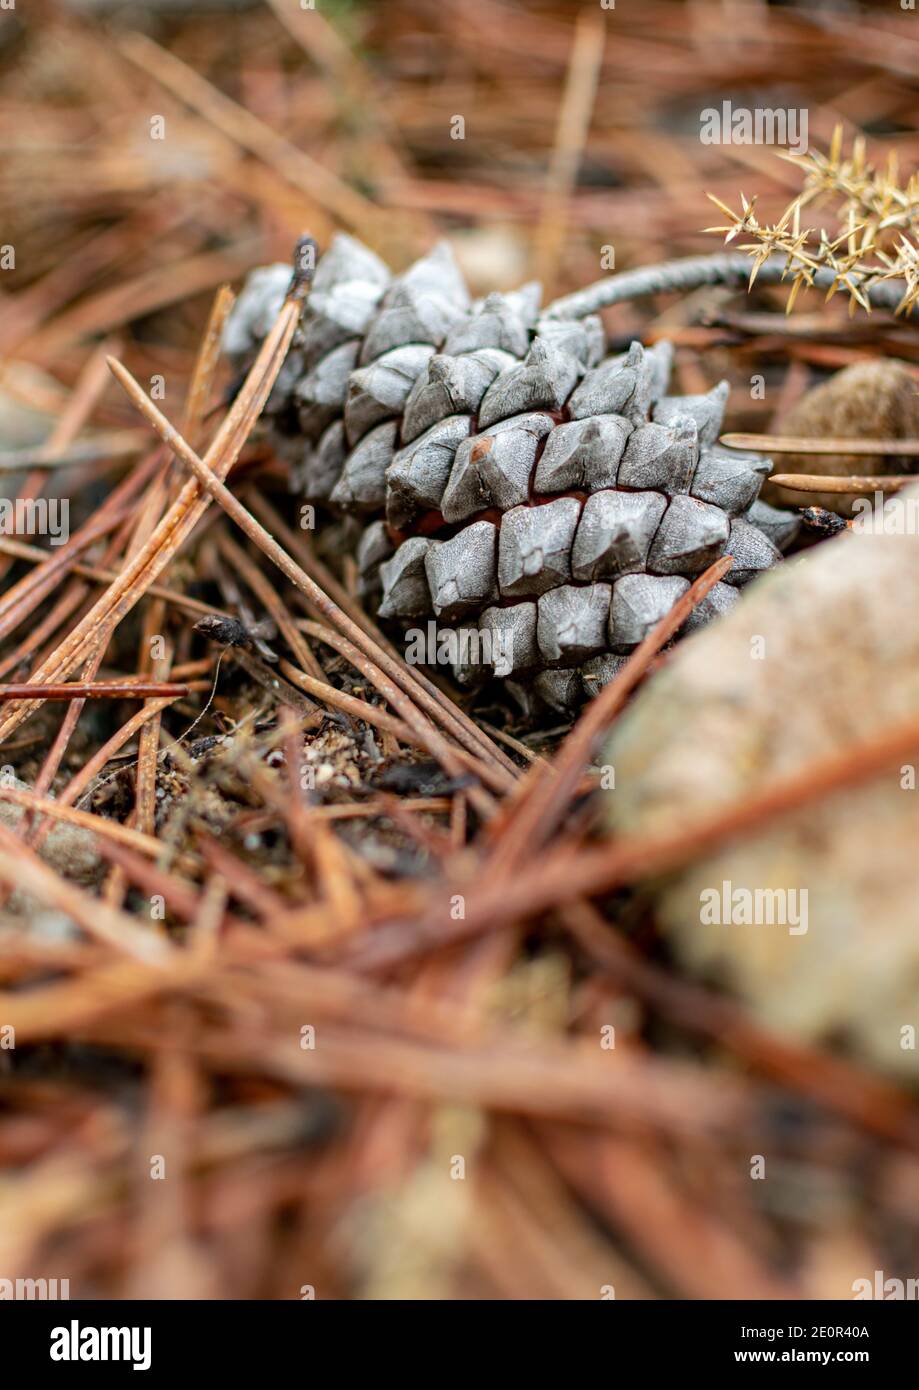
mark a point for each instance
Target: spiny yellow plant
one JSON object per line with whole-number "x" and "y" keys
{"x": 876, "y": 236}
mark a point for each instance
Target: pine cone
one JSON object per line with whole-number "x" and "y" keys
{"x": 537, "y": 506}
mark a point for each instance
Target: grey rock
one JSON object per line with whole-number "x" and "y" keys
{"x": 583, "y": 339}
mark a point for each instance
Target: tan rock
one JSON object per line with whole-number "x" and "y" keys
{"x": 821, "y": 653}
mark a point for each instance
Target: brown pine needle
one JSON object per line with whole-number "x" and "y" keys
{"x": 584, "y": 64}
{"x": 798, "y": 444}
{"x": 178, "y": 523}
{"x": 21, "y": 550}
{"x": 95, "y": 690}
{"x": 202, "y": 378}
{"x": 116, "y": 444}
{"x": 815, "y": 482}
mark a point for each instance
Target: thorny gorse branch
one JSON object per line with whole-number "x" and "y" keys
{"x": 876, "y": 236}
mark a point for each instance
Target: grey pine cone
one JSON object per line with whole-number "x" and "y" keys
{"x": 541, "y": 503}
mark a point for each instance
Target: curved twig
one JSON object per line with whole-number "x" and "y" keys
{"x": 691, "y": 273}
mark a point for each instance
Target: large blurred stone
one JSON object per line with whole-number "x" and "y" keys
{"x": 818, "y": 655}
